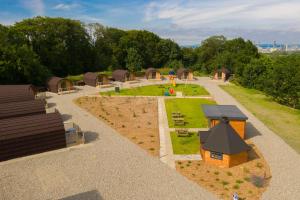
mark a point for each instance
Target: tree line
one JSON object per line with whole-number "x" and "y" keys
{"x": 34, "y": 49}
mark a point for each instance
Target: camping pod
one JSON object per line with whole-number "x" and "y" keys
{"x": 185, "y": 74}
{"x": 122, "y": 75}
{"x": 94, "y": 79}
{"x": 152, "y": 73}
{"x": 59, "y": 85}
{"x": 16, "y": 93}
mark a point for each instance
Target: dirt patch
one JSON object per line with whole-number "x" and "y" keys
{"x": 248, "y": 180}
{"x": 133, "y": 117}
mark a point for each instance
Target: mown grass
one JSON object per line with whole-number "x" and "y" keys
{"x": 190, "y": 109}
{"x": 159, "y": 90}
{"x": 185, "y": 145}
{"x": 282, "y": 120}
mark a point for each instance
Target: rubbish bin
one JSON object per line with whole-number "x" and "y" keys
{"x": 117, "y": 89}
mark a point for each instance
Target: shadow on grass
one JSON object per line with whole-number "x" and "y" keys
{"x": 90, "y": 195}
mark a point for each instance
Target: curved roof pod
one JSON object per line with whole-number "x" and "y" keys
{"x": 219, "y": 73}
{"x": 183, "y": 73}
{"x": 16, "y": 93}
{"x": 22, "y": 136}
{"x": 55, "y": 84}
{"x": 151, "y": 72}
{"x": 90, "y": 78}
{"x": 23, "y": 108}
{"x": 120, "y": 75}
{"x": 94, "y": 79}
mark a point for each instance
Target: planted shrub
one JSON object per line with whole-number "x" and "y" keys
{"x": 239, "y": 181}
{"x": 257, "y": 181}
{"x": 236, "y": 187}
{"x": 229, "y": 173}
{"x": 216, "y": 173}
{"x": 224, "y": 183}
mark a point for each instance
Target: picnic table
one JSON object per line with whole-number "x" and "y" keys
{"x": 182, "y": 132}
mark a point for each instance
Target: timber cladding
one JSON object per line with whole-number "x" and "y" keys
{"x": 16, "y": 93}
{"x": 23, "y": 108}
{"x": 226, "y": 161}
{"x": 22, "y": 136}
{"x": 238, "y": 125}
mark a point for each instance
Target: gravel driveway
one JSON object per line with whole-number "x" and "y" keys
{"x": 108, "y": 167}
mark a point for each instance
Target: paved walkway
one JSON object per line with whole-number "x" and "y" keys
{"x": 284, "y": 162}
{"x": 166, "y": 150}
{"x": 108, "y": 167}
{"x": 188, "y": 157}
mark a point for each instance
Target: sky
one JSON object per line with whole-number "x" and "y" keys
{"x": 187, "y": 22}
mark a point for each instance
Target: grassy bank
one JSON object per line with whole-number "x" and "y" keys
{"x": 282, "y": 120}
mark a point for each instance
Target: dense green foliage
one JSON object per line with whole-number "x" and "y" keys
{"x": 277, "y": 76}
{"x": 34, "y": 48}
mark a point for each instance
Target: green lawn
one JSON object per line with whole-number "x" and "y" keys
{"x": 191, "y": 110}
{"x": 282, "y": 120}
{"x": 185, "y": 145}
{"x": 158, "y": 90}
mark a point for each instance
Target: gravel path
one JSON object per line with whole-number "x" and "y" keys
{"x": 108, "y": 167}
{"x": 284, "y": 162}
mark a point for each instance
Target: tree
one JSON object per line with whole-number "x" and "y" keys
{"x": 134, "y": 61}
{"x": 63, "y": 45}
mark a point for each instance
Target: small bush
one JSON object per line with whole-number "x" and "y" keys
{"x": 224, "y": 183}
{"x": 216, "y": 173}
{"x": 189, "y": 161}
{"x": 257, "y": 181}
{"x": 217, "y": 179}
{"x": 193, "y": 174}
{"x": 181, "y": 167}
{"x": 250, "y": 192}
{"x": 236, "y": 187}
{"x": 141, "y": 142}
{"x": 239, "y": 181}
{"x": 246, "y": 170}
{"x": 211, "y": 185}
{"x": 179, "y": 162}
{"x": 188, "y": 165}
{"x": 151, "y": 149}
{"x": 134, "y": 115}
{"x": 123, "y": 126}
{"x": 247, "y": 179}
{"x": 207, "y": 171}
{"x": 133, "y": 138}
{"x": 259, "y": 165}
{"x": 229, "y": 173}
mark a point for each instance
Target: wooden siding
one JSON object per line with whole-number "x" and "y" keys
{"x": 238, "y": 126}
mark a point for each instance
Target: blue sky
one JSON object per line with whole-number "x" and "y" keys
{"x": 185, "y": 21}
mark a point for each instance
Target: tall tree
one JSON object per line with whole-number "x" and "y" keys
{"x": 134, "y": 61}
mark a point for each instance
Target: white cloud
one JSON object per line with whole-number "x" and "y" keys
{"x": 63, "y": 6}
{"x": 256, "y": 14}
{"x": 37, "y": 7}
